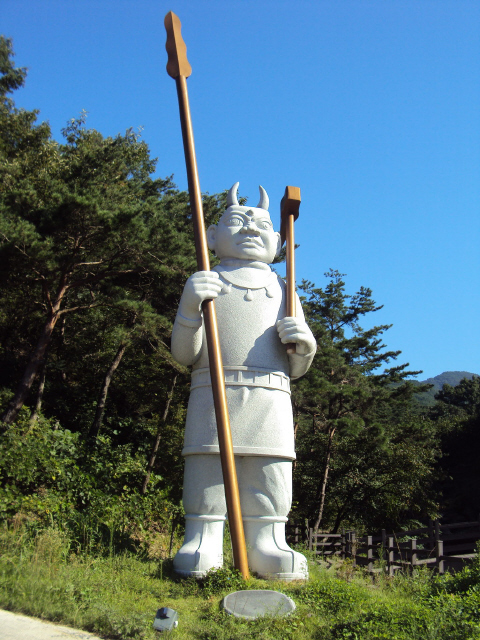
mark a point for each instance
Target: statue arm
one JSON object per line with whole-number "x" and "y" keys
{"x": 297, "y": 331}
{"x": 187, "y": 340}
{"x": 187, "y": 334}
{"x": 300, "y": 364}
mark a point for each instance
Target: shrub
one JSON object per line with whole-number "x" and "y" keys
{"x": 48, "y": 477}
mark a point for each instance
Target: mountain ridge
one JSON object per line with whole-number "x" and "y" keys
{"x": 452, "y": 378}
{"x": 448, "y": 377}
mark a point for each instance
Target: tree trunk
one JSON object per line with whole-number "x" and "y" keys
{"x": 175, "y": 522}
{"x": 156, "y": 446}
{"x": 41, "y": 387}
{"x": 31, "y": 370}
{"x": 324, "y": 480}
{"x": 102, "y": 398}
{"x": 338, "y": 519}
{"x": 38, "y": 354}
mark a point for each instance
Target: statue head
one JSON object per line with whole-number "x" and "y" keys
{"x": 245, "y": 233}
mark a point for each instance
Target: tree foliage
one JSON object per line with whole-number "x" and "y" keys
{"x": 95, "y": 252}
{"x": 351, "y": 441}
{"x": 457, "y": 412}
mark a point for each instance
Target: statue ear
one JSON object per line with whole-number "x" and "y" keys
{"x": 211, "y": 236}
{"x": 279, "y": 243}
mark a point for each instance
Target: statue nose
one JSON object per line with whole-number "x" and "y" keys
{"x": 250, "y": 227}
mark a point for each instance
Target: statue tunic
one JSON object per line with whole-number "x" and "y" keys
{"x": 256, "y": 369}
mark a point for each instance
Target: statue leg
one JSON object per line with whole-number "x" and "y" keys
{"x": 205, "y": 509}
{"x": 266, "y": 498}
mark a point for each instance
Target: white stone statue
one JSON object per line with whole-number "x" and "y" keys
{"x": 251, "y": 307}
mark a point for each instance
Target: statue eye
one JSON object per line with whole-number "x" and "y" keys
{"x": 235, "y": 221}
{"x": 264, "y": 224}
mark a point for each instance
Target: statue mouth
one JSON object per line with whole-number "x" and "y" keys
{"x": 251, "y": 241}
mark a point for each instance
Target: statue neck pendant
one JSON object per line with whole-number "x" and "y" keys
{"x": 248, "y": 277}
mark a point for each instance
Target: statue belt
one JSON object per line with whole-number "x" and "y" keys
{"x": 244, "y": 377}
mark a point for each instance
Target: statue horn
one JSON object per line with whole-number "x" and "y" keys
{"x": 232, "y": 196}
{"x": 264, "y": 201}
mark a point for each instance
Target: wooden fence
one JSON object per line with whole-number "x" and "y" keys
{"x": 444, "y": 547}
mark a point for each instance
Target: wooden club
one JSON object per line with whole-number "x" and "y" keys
{"x": 289, "y": 212}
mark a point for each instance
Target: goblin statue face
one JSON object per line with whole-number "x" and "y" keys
{"x": 245, "y": 233}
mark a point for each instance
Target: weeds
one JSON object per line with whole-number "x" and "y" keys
{"x": 116, "y": 596}
{"x": 218, "y": 581}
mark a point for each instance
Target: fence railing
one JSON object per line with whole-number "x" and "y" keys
{"x": 444, "y": 547}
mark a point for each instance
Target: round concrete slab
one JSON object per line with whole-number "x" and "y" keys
{"x": 254, "y": 604}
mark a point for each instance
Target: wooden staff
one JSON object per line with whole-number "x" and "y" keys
{"x": 179, "y": 68}
{"x": 289, "y": 212}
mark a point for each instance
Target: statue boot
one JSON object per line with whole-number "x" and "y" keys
{"x": 268, "y": 552}
{"x": 202, "y": 547}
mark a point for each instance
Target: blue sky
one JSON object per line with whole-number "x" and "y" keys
{"x": 371, "y": 107}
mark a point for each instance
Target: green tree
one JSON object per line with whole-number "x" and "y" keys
{"x": 95, "y": 253}
{"x": 461, "y": 401}
{"x": 80, "y": 224}
{"x": 457, "y": 415}
{"x": 12, "y": 77}
{"x": 344, "y": 405}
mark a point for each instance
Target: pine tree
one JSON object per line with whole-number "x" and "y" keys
{"x": 346, "y": 395}
{"x": 457, "y": 416}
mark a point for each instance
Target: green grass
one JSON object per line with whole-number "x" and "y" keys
{"x": 117, "y": 597}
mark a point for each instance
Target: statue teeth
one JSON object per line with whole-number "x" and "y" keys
{"x": 248, "y": 295}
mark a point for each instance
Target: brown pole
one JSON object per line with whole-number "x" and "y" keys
{"x": 289, "y": 212}
{"x": 179, "y": 69}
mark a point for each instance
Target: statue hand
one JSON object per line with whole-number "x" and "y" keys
{"x": 203, "y": 285}
{"x": 297, "y": 331}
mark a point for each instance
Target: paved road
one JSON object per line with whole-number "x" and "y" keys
{"x": 14, "y": 626}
